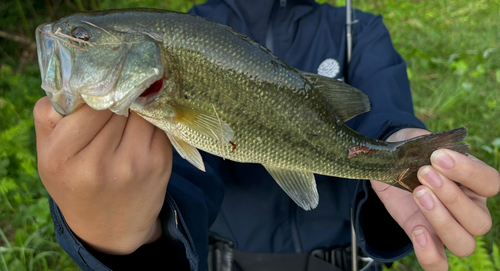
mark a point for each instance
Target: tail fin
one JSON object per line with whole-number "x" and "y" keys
{"x": 416, "y": 152}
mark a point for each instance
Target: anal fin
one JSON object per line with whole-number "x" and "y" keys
{"x": 187, "y": 151}
{"x": 299, "y": 186}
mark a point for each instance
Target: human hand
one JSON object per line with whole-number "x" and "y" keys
{"x": 439, "y": 212}
{"x": 107, "y": 173}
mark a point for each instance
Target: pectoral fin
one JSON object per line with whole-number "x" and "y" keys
{"x": 205, "y": 123}
{"x": 187, "y": 151}
{"x": 300, "y": 186}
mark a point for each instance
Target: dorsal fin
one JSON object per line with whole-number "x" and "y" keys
{"x": 345, "y": 100}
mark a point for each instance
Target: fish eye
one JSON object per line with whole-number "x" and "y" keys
{"x": 80, "y": 33}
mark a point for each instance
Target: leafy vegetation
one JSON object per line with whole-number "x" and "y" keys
{"x": 26, "y": 233}
{"x": 453, "y": 56}
{"x": 27, "y": 240}
{"x": 452, "y": 49}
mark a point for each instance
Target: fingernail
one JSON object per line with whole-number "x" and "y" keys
{"x": 420, "y": 238}
{"x": 442, "y": 159}
{"x": 425, "y": 199}
{"x": 431, "y": 177}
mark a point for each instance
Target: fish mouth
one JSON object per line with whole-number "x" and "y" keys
{"x": 117, "y": 91}
{"x": 55, "y": 69}
{"x": 149, "y": 94}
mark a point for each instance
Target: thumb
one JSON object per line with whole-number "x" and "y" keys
{"x": 46, "y": 119}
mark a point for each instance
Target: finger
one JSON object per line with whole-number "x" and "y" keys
{"x": 479, "y": 200}
{"x": 406, "y": 133}
{"x": 137, "y": 136}
{"x": 161, "y": 149}
{"x": 428, "y": 249}
{"x": 473, "y": 215}
{"x": 109, "y": 137}
{"x": 469, "y": 171}
{"x": 458, "y": 240}
{"x": 76, "y": 131}
{"x": 159, "y": 140}
{"x": 46, "y": 119}
{"x": 393, "y": 198}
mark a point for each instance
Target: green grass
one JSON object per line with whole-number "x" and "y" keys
{"x": 452, "y": 49}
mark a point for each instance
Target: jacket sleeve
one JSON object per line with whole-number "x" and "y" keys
{"x": 379, "y": 71}
{"x": 192, "y": 202}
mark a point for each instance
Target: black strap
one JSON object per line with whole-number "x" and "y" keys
{"x": 223, "y": 257}
{"x": 246, "y": 261}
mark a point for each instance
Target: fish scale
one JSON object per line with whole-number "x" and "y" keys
{"x": 224, "y": 94}
{"x": 284, "y": 150}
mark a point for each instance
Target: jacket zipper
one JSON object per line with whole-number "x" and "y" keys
{"x": 292, "y": 215}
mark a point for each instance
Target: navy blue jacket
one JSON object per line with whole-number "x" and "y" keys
{"x": 242, "y": 201}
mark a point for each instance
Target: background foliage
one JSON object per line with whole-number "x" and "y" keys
{"x": 453, "y": 56}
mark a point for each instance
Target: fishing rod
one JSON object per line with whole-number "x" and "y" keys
{"x": 348, "y": 26}
{"x": 349, "y": 22}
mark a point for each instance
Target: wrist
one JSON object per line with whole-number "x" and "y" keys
{"x": 113, "y": 244}
{"x": 155, "y": 232}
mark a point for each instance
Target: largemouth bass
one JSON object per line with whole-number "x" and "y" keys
{"x": 211, "y": 88}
